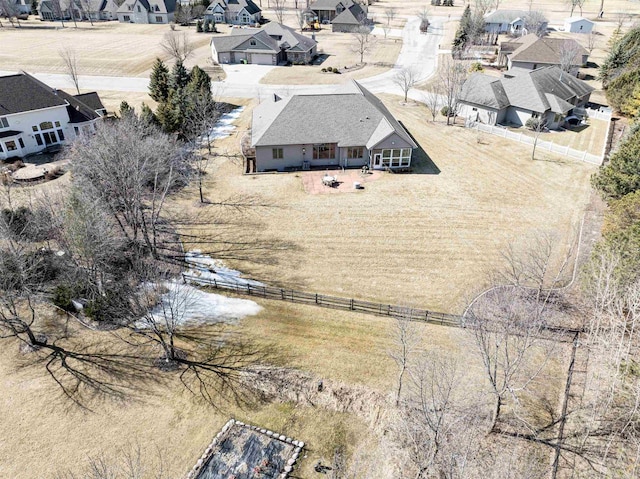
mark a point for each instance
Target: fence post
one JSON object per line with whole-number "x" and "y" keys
{"x": 351, "y": 304}
{"x": 264, "y": 291}
{"x": 389, "y": 310}
{"x": 426, "y": 316}
{"x": 215, "y": 283}
{"x": 316, "y": 298}
{"x": 184, "y": 280}
{"x": 248, "y": 289}
{"x": 282, "y": 293}
{"x": 566, "y": 151}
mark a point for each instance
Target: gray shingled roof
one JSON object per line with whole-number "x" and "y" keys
{"x": 485, "y": 90}
{"x": 238, "y": 5}
{"x": 329, "y": 4}
{"x": 350, "y": 117}
{"x": 233, "y": 41}
{"x": 294, "y": 40}
{"x": 354, "y": 15}
{"x": 504, "y": 16}
{"x": 22, "y": 92}
{"x": 547, "y": 88}
{"x": 545, "y": 50}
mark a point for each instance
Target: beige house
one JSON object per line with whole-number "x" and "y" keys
{"x": 531, "y": 52}
{"x": 348, "y": 128}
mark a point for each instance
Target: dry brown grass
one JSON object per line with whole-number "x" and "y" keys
{"x": 107, "y": 48}
{"x": 589, "y": 138}
{"x": 416, "y": 239}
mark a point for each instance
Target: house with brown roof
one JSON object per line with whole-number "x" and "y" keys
{"x": 348, "y": 128}
{"x": 272, "y": 44}
{"x": 531, "y": 52}
{"x": 548, "y": 93}
{"x": 34, "y": 116}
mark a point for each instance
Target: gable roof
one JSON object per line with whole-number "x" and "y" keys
{"x": 545, "y": 50}
{"x": 354, "y": 15}
{"x": 236, "y": 6}
{"x": 504, "y": 16}
{"x": 164, "y": 6}
{"x": 329, "y": 4}
{"x": 352, "y": 116}
{"x": 236, "y": 39}
{"x": 547, "y": 88}
{"x": 288, "y": 38}
{"x": 578, "y": 19}
{"x": 22, "y": 92}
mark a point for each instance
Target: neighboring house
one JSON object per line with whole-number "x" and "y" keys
{"x": 34, "y": 116}
{"x": 547, "y": 93}
{"x": 347, "y": 128}
{"x": 235, "y": 12}
{"x": 578, "y": 25}
{"x": 327, "y": 10}
{"x": 350, "y": 19}
{"x": 504, "y": 21}
{"x": 147, "y": 11}
{"x": 22, "y": 6}
{"x": 272, "y": 44}
{"x": 531, "y": 52}
{"x": 78, "y": 9}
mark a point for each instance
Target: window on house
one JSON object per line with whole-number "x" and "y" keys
{"x": 158, "y": 19}
{"x": 396, "y": 157}
{"x": 21, "y": 142}
{"x": 4, "y": 123}
{"x": 353, "y": 153}
{"x": 46, "y": 125}
{"x": 38, "y": 139}
{"x": 126, "y": 18}
{"x": 253, "y": 43}
{"x": 60, "y": 135}
{"x": 139, "y": 8}
{"x": 34, "y": 127}
{"x": 76, "y": 131}
{"x": 58, "y": 124}
{"x": 535, "y": 114}
{"x": 277, "y": 153}
{"x": 10, "y": 145}
{"x": 157, "y": 8}
{"x": 324, "y": 151}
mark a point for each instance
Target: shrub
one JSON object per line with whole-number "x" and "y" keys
{"x": 335, "y": 70}
{"x": 62, "y": 296}
{"x": 445, "y": 111}
{"x": 329, "y": 69}
{"x": 199, "y": 28}
{"x": 534, "y": 124}
{"x": 324, "y": 70}
{"x": 476, "y": 67}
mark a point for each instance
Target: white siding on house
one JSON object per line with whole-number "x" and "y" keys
{"x": 488, "y": 116}
{"x": 580, "y": 26}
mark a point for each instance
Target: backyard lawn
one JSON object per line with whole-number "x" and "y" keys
{"x": 425, "y": 239}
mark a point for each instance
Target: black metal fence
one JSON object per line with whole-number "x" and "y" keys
{"x": 348, "y": 304}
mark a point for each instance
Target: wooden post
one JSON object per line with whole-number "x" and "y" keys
{"x": 215, "y": 283}
{"x": 352, "y": 304}
{"x": 282, "y": 293}
{"x": 316, "y": 298}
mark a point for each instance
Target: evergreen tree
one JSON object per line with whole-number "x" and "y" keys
{"x": 125, "y": 109}
{"x": 621, "y": 175}
{"x": 34, "y": 7}
{"x": 179, "y": 77}
{"x": 462, "y": 34}
{"x": 147, "y": 115}
{"x": 159, "y": 82}
{"x": 168, "y": 117}
{"x": 200, "y": 82}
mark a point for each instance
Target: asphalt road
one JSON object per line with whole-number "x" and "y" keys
{"x": 419, "y": 52}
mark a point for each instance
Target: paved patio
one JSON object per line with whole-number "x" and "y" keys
{"x": 312, "y": 181}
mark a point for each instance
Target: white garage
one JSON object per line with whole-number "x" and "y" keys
{"x": 578, "y": 25}
{"x": 262, "y": 59}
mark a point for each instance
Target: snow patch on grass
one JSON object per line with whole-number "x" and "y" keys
{"x": 208, "y": 269}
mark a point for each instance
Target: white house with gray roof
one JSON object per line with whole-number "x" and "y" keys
{"x": 506, "y": 21}
{"x": 348, "y": 128}
{"x": 147, "y": 11}
{"x": 272, "y": 44}
{"x": 235, "y": 12}
{"x": 547, "y": 93}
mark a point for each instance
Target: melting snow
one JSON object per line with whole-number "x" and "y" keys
{"x": 183, "y": 304}
{"x": 207, "y": 268}
{"x": 224, "y": 126}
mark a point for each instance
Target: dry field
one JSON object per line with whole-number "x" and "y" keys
{"x": 107, "y": 48}
{"x": 590, "y": 138}
{"x": 420, "y": 239}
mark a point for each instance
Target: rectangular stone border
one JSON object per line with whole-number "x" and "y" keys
{"x": 299, "y": 445}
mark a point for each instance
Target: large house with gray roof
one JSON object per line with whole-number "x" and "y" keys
{"x": 548, "y": 93}
{"x": 273, "y": 44}
{"x": 235, "y": 12}
{"x": 147, "y": 11}
{"x": 34, "y": 116}
{"x": 531, "y": 52}
{"x": 348, "y": 128}
{"x": 78, "y": 10}
{"x": 343, "y": 15}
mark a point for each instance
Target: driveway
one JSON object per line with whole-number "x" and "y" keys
{"x": 419, "y": 52}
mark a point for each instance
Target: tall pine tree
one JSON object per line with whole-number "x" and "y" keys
{"x": 179, "y": 77}
{"x": 200, "y": 83}
{"x": 159, "y": 82}
{"x": 462, "y": 34}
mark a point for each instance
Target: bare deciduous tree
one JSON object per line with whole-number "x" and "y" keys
{"x": 535, "y": 22}
{"x": 569, "y": 57}
{"x": 406, "y": 339}
{"x": 10, "y": 11}
{"x": 452, "y": 76}
{"x": 405, "y": 79}
{"x": 573, "y": 4}
{"x": 178, "y": 46}
{"x": 592, "y": 41}
{"x": 537, "y": 125}
{"x": 301, "y": 18}
{"x": 389, "y": 14}
{"x": 433, "y": 100}
{"x": 70, "y": 61}
{"x": 279, "y": 7}
{"x": 362, "y": 42}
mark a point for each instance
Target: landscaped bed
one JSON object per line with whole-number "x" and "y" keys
{"x": 241, "y": 451}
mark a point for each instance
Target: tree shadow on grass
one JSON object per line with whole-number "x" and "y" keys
{"x": 421, "y": 162}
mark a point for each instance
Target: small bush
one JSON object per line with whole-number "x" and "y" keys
{"x": 534, "y": 124}
{"x": 62, "y": 296}
{"x": 324, "y": 70}
{"x": 329, "y": 69}
{"x": 476, "y": 67}
{"x": 445, "y": 111}
{"x": 199, "y": 28}
{"x": 335, "y": 70}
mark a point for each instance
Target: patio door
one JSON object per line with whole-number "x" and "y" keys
{"x": 377, "y": 160}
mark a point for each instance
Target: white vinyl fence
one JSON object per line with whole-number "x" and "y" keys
{"x": 547, "y": 145}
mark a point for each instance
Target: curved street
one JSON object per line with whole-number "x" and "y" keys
{"x": 419, "y": 52}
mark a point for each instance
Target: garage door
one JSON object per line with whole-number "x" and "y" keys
{"x": 262, "y": 59}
